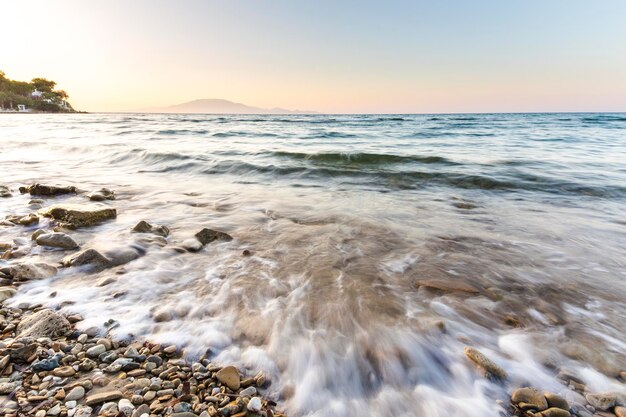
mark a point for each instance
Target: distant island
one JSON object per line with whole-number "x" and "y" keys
{"x": 37, "y": 96}
{"x": 220, "y": 106}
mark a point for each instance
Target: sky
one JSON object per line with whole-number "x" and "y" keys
{"x": 339, "y": 56}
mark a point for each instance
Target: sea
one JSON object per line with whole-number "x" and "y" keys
{"x": 368, "y": 250}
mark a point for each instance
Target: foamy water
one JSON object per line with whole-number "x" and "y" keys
{"x": 343, "y": 215}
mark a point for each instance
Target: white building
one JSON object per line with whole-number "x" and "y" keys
{"x": 36, "y": 94}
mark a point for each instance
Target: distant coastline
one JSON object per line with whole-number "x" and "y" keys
{"x": 37, "y": 96}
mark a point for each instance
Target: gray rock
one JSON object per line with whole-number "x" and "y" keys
{"x": 56, "y": 240}
{"x": 122, "y": 255}
{"x": 95, "y": 351}
{"x": 255, "y": 405}
{"x": 75, "y": 394}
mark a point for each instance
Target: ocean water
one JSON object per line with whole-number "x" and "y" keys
{"x": 344, "y": 216}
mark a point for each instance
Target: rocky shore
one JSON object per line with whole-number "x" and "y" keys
{"x": 50, "y": 368}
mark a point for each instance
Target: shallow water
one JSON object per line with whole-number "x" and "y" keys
{"x": 343, "y": 215}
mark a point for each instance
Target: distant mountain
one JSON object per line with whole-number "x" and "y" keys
{"x": 219, "y": 106}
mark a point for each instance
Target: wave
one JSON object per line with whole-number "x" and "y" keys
{"x": 419, "y": 179}
{"x": 362, "y": 158}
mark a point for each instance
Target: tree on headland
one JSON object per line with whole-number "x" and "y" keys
{"x": 39, "y": 94}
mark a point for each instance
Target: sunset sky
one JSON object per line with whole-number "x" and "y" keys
{"x": 330, "y": 56}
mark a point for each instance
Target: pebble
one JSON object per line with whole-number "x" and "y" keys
{"x": 555, "y": 412}
{"x": 255, "y": 405}
{"x": 602, "y": 401}
{"x": 555, "y": 400}
{"x": 76, "y": 393}
{"x": 529, "y": 398}
{"x": 230, "y": 377}
{"x": 103, "y": 397}
{"x": 96, "y": 351}
{"x": 487, "y": 365}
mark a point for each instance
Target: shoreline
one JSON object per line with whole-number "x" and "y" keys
{"x": 43, "y": 362}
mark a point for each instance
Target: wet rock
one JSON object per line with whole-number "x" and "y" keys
{"x": 489, "y": 368}
{"x": 145, "y": 227}
{"x": 56, "y": 240}
{"x": 101, "y": 195}
{"x": 47, "y": 190}
{"x": 88, "y": 257}
{"x": 5, "y": 191}
{"x": 37, "y": 233}
{"x": 27, "y": 220}
{"x": 75, "y": 217}
{"x": 604, "y": 401}
{"x": 255, "y": 405}
{"x": 555, "y": 400}
{"x": 620, "y": 411}
{"x": 28, "y": 271}
{"x": 229, "y": 376}
{"x": 123, "y": 255}
{"x": 6, "y": 293}
{"x": 44, "y": 323}
{"x": 103, "y": 397}
{"x": 555, "y": 412}
{"x": 529, "y": 398}
{"x": 206, "y": 236}
{"x": 447, "y": 286}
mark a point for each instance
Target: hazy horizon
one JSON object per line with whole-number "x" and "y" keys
{"x": 331, "y": 58}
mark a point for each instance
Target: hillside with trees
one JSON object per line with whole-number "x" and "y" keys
{"x": 38, "y": 95}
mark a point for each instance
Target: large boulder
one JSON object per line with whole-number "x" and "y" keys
{"x": 47, "y": 190}
{"x": 56, "y": 240}
{"x": 44, "y": 323}
{"x": 74, "y": 217}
